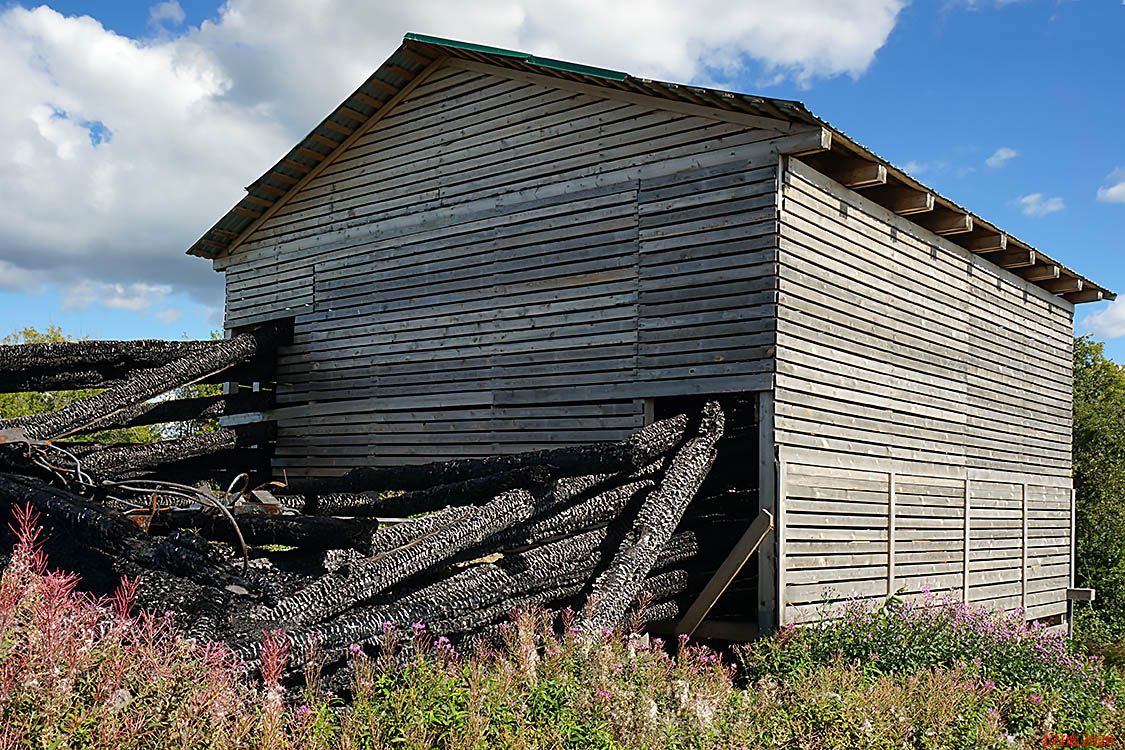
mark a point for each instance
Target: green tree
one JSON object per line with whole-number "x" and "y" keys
{"x": 33, "y": 402}
{"x": 1099, "y": 481}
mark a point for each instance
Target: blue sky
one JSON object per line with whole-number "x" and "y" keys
{"x": 1013, "y": 109}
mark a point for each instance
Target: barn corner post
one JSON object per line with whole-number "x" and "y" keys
{"x": 770, "y": 613}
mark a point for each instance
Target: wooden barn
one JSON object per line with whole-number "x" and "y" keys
{"x": 482, "y": 251}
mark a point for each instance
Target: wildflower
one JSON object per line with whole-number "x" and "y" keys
{"x": 603, "y": 694}
{"x": 303, "y": 710}
{"x": 119, "y": 699}
{"x": 1035, "y": 698}
{"x": 418, "y": 627}
{"x": 357, "y": 651}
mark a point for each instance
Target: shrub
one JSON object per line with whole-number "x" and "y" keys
{"x": 79, "y": 672}
{"x": 1032, "y": 669}
{"x": 82, "y": 672}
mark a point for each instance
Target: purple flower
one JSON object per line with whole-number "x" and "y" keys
{"x": 603, "y": 694}
{"x": 1035, "y": 698}
{"x": 356, "y": 650}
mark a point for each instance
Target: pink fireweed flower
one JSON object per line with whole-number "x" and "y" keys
{"x": 1035, "y": 698}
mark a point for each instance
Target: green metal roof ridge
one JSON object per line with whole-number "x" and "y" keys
{"x": 530, "y": 59}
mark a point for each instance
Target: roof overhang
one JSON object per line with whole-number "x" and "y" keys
{"x": 839, "y": 157}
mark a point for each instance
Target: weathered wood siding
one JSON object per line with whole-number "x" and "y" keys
{"x": 500, "y": 265}
{"x": 917, "y": 386}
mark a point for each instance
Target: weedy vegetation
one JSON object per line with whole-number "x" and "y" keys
{"x": 82, "y": 672}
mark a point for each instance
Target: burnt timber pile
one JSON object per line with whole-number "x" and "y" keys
{"x": 617, "y": 530}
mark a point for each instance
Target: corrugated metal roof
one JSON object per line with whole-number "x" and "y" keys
{"x": 418, "y": 51}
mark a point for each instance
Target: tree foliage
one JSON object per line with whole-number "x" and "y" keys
{"x": 1099, "y": 479}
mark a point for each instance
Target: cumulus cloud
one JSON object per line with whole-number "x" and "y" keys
{"x": 1038, "y": 204}
{"x": 1114, "y": 189}
{"x": 168, "y": 315}
{"x": 16, "y": 279}
{"x": 136, "y": 297}
{"x": 1108, "y": 323}
{"x": 166, "y": 14}
{"x": 117, "y": 153}
{"x": 1001, "y": 156}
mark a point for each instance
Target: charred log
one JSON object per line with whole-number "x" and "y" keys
{"x": 617, "y": 587}
{"x": 334, "y": 594}
{"x": 633, "y": 453}
{"x": 306, "y": 532}
{"x": 466, "y": 492}
{"x": 84, "y": 364}
{"x": 590, "y": 513}
{"x": 88, "y": 523}
{"x": 142, "y": 385}
{"x": 181, "y": 410}
{"x": 665, "y": 585}
{"x": 130, "y": 460}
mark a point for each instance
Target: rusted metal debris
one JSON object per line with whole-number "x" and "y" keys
{"x": 595, "y": 527}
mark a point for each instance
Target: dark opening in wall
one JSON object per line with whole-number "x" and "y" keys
{"x": 726, "y": 505}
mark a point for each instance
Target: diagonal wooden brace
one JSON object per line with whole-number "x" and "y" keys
{"x": 746, "y": 546}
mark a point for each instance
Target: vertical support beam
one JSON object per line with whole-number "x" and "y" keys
{"x": 782, "y": 470}
{"x": 891, "y": 491}
{"x": 769, "y": 616}
{"x": 1023, "y": 551}
{"x": 1073, "y": 561}
{"x": 965, "y": 578}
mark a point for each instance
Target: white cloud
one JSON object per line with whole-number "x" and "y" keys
{"x": 1001, "y": 156}
{"x": 918, "y": 168}
{"x": 1114, "y": 189}
{"x": 168, "y": 315}
{"x": 1038, "y": 204}
{"x": 167, "y": 13}
{"x": 116, "y": 154}
{"x": 16, "y": 279}
{"x": 1108, "y": 323}
{"x": 137, "y": 296}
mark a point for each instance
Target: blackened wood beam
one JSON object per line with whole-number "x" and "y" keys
{"x": 639, "y": 450}
{"x": 143, "y": 385}
{"x": 466, "y": 492}
{"x": 129, "y": 460}
{"x": 306, "y": 532}
{"x": 182, "y": 410}
{"x": 69, "y": 365}
{"x": 333, "y": 594}
{"x": 617, "y": 587}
